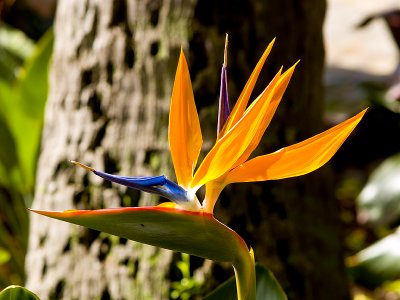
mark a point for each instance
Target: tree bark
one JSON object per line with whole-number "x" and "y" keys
{"x": 292, "y": 224}
{"x": 111, "y": 79}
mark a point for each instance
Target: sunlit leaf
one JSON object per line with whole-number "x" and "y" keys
{"x": 32, "y": 83}
{"x": 22, "y": 107}
{"x": 379, "y": 200}
{"x": 15, "y": 47}
{"x": 377, "y": 263}
{"x": 16, "y": 42}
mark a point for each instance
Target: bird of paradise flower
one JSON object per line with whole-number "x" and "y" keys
{"x": 187, "y": 225}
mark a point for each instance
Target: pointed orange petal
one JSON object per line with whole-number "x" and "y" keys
{"x": 229, "y": 150}
{"x": 297, "y": 159}
{"x": 274, "y": 97}
{"x": 184, "y": 136}
{"x": 244, "y": 97}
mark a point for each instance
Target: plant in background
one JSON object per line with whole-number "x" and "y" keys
{"x": 187, "y": 225}
{"x": 377, "y": 266}
{"x": 23, "y": 92}
{"x": 188, "y": 285}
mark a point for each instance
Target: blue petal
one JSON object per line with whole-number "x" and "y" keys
{"x": 159, "y": 185}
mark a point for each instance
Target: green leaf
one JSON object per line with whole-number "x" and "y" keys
{"x": 8, "y": 151}
{"x": 377, "y": 263}
{"x": 15, "y": 47}
{"x": 267, "y": 287}
{"x": 8, "y": 157}
{"x": 23, "y": 92}
{"x": 379, "y": 201}
{"x": 15, "y": 41}
{"x": 6, "y": 99}
{"x": 22, "y": 107}
{"x": 15, "y": 292}
{"x": 33, "y": 80}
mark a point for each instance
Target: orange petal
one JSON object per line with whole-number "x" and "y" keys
{"x": 274, "y": 97}
{"x": 244, "y": 97}
{"x": 297, "y": 159}
{"x": 234, "y": 144}
{"x": 213, "y": 190}
{"x": 184, "y": 136}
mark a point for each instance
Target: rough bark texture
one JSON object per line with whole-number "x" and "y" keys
{"x": 111, "y": 80}
{"x": 108, "y": 107}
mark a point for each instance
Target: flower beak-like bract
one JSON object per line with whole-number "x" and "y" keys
{"x": 187, "y": 225}
{"x": 239, "y": 133}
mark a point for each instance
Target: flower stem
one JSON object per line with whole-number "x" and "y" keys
{"x": 245, "y": 277}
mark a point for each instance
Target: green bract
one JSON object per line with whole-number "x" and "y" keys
{"x": 194, "y": 233}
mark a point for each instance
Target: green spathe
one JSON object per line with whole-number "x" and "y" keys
{"x": 195, "y": 233}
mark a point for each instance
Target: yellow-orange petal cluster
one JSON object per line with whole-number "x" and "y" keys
{"x": 238, "y": 142}
{"x": 226, "y": 162}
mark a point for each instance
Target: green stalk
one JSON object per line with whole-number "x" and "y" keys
{"x": 245, "y": 276}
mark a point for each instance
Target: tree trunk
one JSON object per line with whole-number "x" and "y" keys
{"x": 111, "y": 82}
{"x": 111, "y": 79}
{"x": 292, "y": 224}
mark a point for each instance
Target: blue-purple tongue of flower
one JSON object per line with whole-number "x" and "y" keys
{"x": 159, "y": 185}
{"x": 223, "y": 110}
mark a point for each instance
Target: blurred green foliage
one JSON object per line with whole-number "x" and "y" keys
{"x": 379, "y": 200}
{"x": 188, "y": 286}
{"x": 373, "y": 180}
{"x": 23, "y": 92}
{"x": 21, "y": 111}
{"x": 378, "y": 263}
{"x": 15, "y": 48}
